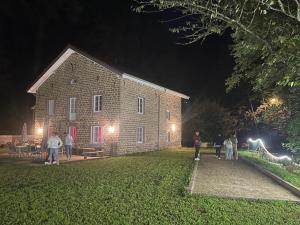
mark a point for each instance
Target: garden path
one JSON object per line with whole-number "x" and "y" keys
{"x": 236, "y": 179}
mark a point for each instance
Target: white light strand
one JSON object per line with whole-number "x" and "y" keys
{"x": 279, "y": 158}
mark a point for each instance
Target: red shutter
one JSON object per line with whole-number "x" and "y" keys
{"x": 99, "y": 135}
{"x": 73, "y": 133}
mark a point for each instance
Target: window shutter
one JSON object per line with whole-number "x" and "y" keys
{"x": 73, "y": 133}
{"x": 99, "y": 135}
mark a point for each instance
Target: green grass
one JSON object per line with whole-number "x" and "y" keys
{"x": 144, "y": 188}
{"x": 274, "y": 168}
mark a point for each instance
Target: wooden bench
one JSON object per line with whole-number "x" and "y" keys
{"x": 92, "y": 151}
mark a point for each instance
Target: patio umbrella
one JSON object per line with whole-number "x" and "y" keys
{"x": 24, "y": 136}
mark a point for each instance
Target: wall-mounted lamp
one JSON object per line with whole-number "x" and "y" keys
{"x": 39, "y": 131}
{"x": 173, "y": 127}
{"x": 111, "y": 129}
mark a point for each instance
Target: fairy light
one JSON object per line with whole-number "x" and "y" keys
{"x": 285, "y": 157}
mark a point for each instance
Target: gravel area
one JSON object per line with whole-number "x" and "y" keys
{"x": 236, "y": 179}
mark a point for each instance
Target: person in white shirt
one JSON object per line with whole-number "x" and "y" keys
{"x": 68, "y": 145}
{"x": 228, "y": 148}
{"x": 54, "y": 143}
{"x": 234, "y": 141}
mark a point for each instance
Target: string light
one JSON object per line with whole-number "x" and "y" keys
{"x": 279, "y": 158}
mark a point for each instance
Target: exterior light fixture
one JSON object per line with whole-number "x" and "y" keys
{"x": 111, "y": 129}
{"x": 275, "y": 101}
{"x": 173, "y": 127}
{"x": 39, "y": 131}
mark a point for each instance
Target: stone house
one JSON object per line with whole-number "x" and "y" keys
{"x": 103, "y": 106}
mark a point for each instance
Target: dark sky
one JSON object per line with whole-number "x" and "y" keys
{"x": 33, "y": 33}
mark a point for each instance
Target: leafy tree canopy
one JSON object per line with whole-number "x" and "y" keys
{"x": 266, "y": 35}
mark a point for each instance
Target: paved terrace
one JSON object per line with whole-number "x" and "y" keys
{"x": 236, "y": 179}
{"x": 4, "y": 158}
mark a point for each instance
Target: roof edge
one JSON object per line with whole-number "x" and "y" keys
{"x": 50, "y": 69}
{"x": 158, "y": 87}
{"x": 69, "y": 50}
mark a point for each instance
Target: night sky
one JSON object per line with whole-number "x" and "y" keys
{"x": 33, "y": 33}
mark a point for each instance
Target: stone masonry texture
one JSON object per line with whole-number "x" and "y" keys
{"x": 119, "y": 108}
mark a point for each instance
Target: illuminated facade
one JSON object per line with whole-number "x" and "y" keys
{"x": 102, "y": 106}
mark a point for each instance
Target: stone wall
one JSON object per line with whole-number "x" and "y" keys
{"x": 119, "y": 108}
{"x": 90, "y": 79}
{"x": 153, "y": 120}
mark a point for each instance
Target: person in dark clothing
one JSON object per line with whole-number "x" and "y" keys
{"x": 218, "y": 145}
{"x": 197, "y": 144}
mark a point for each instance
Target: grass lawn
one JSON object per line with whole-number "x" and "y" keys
{"x": 276, "y": 169}
{"x": 144, "y": 188}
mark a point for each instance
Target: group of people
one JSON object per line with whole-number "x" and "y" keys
{"x": 230, "y": 145}
{"x": 54, "y": 143}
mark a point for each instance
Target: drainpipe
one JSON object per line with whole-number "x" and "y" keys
{"x": 158, "y": 125}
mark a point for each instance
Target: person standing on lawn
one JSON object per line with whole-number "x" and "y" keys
{"x": 54, "y": 143}
{"x": 234, "y": 141}
{"x": 228, "y": 148}
{"x": 68, "y": 145}
{"x": 218, "y": 145}
{"x": 197, "y": 144}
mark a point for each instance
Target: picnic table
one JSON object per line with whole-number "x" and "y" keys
{"x": 92, "y": 151}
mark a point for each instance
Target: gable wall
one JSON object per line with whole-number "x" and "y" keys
{"x": 92, "y": 79}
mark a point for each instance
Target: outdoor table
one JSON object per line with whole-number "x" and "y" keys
{"x": 86, "y": 151}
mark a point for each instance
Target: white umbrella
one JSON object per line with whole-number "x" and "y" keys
{"x": 24, "y": 134}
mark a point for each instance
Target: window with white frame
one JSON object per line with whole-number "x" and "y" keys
{"x": 50, "y": 107}
{"x": 169, "y": 136}
{"x": 72, "y": 108}
{"x": 97, "y": 103}
{"x": 168, "y": 115}
{"x": 141, "y": 105}
{"x": 140, "y": 135}
{"x": 96, "y": 135}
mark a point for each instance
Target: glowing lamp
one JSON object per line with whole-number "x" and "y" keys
{"x": 40, "y": 131}
{"x": 111, "y": 129}
{"x": 173, "y": 127}
{"x": 273, "y": 100}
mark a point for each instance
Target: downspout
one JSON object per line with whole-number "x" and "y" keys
{"x": 158, "y": 125}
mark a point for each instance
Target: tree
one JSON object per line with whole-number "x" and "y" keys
{"x": 266, "y": 48}
{"x": 209, "y": 118}
{"x": 266, "y": 35}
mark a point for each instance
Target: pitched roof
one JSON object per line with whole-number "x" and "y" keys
{"x": 69, "y": 50}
